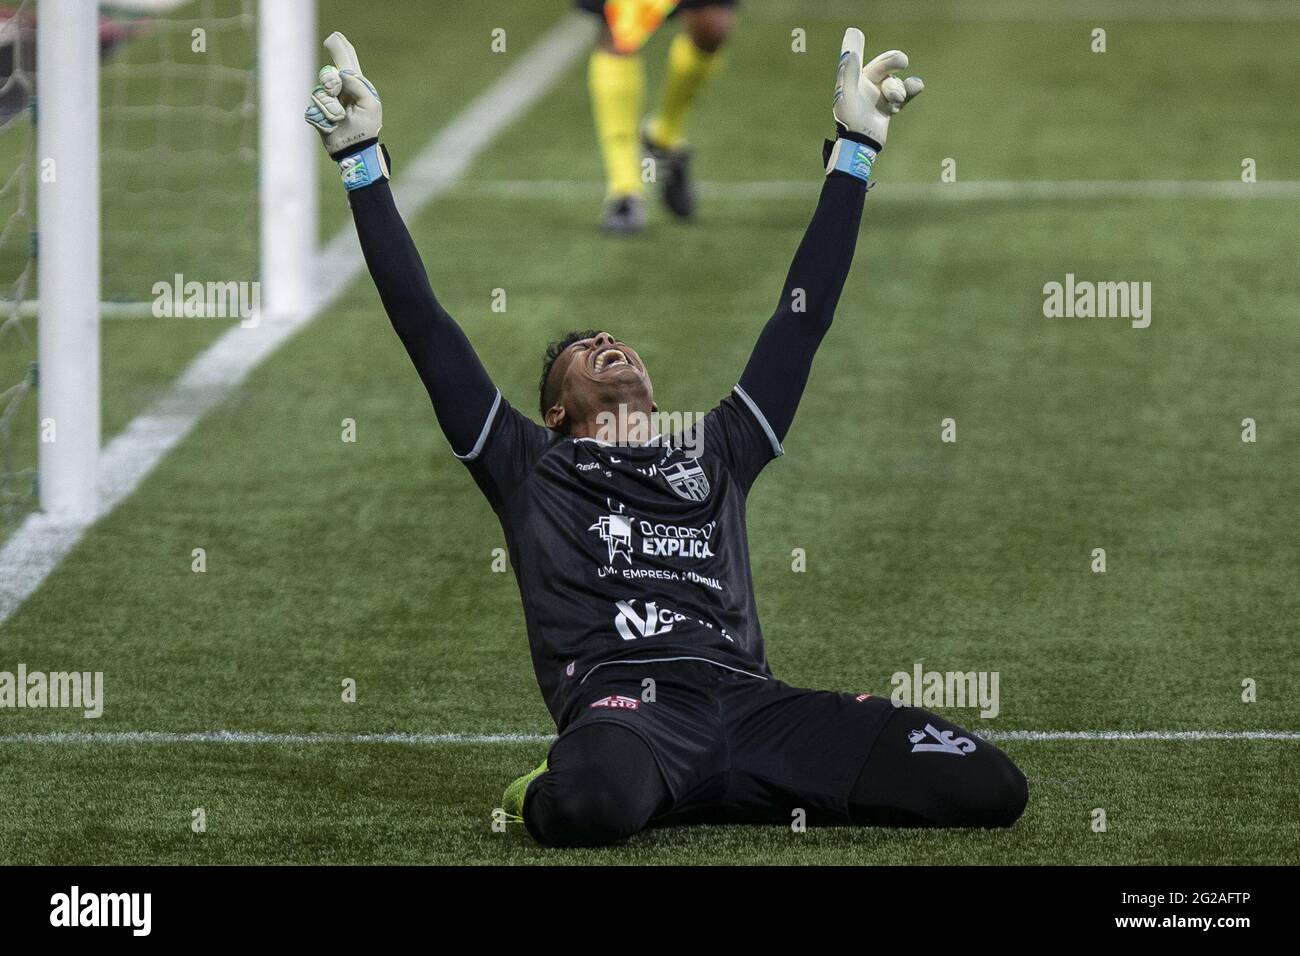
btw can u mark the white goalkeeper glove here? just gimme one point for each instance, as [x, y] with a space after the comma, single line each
[346, 111]
[866, 98]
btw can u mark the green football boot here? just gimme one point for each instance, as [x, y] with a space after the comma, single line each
[512, 801]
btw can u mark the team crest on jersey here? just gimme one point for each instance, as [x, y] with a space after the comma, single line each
[687, 479]
[616, 532]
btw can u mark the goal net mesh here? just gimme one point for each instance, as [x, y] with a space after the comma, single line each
[17, 262]
[178, 181]
[178, 137]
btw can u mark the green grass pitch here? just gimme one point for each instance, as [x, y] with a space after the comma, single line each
[373, 561]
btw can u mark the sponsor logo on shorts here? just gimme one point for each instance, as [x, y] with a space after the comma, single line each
[940, 741]
[617, 702]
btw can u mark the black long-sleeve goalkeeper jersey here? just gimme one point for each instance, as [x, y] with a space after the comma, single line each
[623, 553]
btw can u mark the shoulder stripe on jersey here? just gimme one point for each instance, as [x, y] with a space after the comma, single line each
[482, 435]
[777, 450]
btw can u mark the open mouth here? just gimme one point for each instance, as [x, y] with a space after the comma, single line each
[610, 358]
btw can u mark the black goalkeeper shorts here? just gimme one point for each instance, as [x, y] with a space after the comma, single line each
[598, 6]
[735, 747]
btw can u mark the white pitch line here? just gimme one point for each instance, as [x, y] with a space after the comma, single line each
[36, 548]
[568, 190]
[1042, 190]
[260, 737]
[1052, 735]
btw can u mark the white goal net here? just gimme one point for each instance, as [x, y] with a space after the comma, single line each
[17, 263]
[178, 153]
[135, 139]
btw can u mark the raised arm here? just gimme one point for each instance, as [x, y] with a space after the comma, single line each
[865, 100]
[346, 111]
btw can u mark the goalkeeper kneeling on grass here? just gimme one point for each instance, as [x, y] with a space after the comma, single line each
[581, 502]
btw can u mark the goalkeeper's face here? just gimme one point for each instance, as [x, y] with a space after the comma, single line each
[595, 375]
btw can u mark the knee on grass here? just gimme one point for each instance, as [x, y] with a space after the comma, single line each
[603, 785]
[582, 816]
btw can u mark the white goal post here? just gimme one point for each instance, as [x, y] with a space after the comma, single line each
[288, 55]
[68, 217]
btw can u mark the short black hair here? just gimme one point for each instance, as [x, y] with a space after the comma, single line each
[553, 351]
